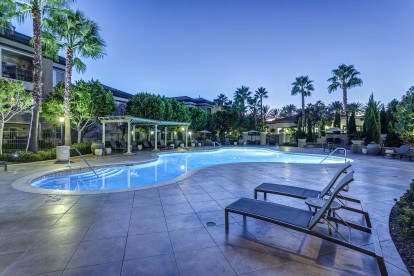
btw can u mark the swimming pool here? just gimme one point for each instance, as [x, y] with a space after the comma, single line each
[170, 166]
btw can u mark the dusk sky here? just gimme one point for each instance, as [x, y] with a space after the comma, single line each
[204, 48]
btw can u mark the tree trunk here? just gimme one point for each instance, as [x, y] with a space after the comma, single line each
[261, 111]
[68, 80]
[32, 143]
[303, 113]
[345, 99]
[1, 136]
[79, 136]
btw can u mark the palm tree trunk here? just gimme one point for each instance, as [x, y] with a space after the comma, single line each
[303, 112]
[261, 111]
[32, 143]
[345, 98]
[68, 80]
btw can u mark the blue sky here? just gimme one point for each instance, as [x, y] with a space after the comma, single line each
[206, 47]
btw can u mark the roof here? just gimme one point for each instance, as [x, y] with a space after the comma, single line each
[140, 121]
[292, 118]
[25, 40]
[117, 93]
[193, 100]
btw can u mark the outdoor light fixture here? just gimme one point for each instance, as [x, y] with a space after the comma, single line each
[182, 129]
[152, 132]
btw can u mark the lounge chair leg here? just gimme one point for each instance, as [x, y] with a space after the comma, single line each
[226, 220]
[244, 219]
[265, 195]
[255, 194]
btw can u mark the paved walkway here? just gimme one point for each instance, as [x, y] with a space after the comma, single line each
[164, 231]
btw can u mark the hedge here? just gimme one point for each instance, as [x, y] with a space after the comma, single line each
[48, 154]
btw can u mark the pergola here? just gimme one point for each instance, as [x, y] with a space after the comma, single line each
[135, 121]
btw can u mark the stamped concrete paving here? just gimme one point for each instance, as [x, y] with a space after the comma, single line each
[163, 230]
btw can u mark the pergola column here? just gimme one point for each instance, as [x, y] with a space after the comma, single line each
[186, 136]
[129, 139]
[133, 130]
[103, 133]
[156, 138]
[165, 136]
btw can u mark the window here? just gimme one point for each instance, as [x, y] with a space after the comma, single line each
[16, 66]
[58, 76]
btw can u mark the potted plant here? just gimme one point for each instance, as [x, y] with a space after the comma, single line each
[301, 137]
[181, 144]
[373, 148]
[139, 145]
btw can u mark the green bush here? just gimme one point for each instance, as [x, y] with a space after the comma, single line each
[84, 148]
[406, 210]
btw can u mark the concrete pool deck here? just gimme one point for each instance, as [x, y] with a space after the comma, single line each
[163, 230]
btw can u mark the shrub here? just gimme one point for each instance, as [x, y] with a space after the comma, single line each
[84, 148]
[372, 125]
[406, 210]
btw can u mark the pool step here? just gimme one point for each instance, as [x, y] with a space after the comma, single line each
[101, 173]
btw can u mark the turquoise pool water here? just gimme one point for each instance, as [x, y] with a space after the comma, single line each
[170, 166]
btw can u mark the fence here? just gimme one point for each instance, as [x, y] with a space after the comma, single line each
[17, 139]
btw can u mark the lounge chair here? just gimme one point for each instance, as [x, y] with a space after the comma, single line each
[401, 152]
[227, 142]
[305, 221]
[134, 145]
[114, 146]
[124, 146]
[303, 193]
[146, 145]
[4, 163]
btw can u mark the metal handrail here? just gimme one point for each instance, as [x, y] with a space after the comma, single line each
[214, 144]
[87, 163]
[333, 153]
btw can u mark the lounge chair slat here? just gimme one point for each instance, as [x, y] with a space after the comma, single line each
[287, 190]
[272, 211]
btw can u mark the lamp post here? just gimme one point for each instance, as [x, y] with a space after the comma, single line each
[61, 120]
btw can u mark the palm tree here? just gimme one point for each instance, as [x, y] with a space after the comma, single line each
[241, 95]
[222, 100]
[35, 9]
[345, 77]
[357, 107]
[273, 113]
[261, 93]
[288, 110]
[336, 106]
[253, 106]
[303, 86]
[79, 37]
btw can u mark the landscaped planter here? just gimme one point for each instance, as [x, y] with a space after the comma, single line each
[373, 149]
[108, 150]
[139, 147]
[62, 153]
[98, 151]
[357, 142]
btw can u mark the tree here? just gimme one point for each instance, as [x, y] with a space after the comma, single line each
[223, 121]
[357, 107]
[309, 135]
[89, 100]
[405, 117]
[199, 118]
[344, 77]
[372, 126]
[352, 123]
[337, 119]
[79, 37]
[240, 98]
[303, 86]
[13, 100]
[260, 94]
[253, 107]
[288, 110]
[336, 106]
[35, 9]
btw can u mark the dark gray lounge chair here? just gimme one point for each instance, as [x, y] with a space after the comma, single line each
[401, 152]
[146, 145]
[114, 146]
[303, 193]
[305, 221]
[4, 163]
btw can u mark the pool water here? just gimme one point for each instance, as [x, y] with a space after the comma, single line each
[170, 166]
